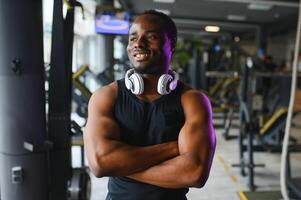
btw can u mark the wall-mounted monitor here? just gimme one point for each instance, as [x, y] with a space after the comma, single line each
[112, 23]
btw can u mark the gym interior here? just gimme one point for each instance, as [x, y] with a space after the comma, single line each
[244, 54]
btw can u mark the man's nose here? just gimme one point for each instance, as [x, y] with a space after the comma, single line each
[140, 43]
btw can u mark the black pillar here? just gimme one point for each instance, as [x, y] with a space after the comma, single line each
[23, 168]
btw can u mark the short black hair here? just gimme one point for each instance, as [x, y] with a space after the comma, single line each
[168, 25]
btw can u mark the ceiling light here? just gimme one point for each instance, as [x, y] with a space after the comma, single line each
[256, 6]
[236, 38]
[166, 12]
[213, 29]
[164, 1]
[236, 17]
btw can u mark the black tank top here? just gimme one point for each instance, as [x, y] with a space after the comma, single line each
[142, 124]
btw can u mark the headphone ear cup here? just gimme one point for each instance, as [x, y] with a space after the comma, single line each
[128, 82]
[163, 84]
[138, 84]
[174, 83]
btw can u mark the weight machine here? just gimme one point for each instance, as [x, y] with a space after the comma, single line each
[257, 135]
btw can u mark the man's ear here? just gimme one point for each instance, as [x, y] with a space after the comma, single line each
[173, 45]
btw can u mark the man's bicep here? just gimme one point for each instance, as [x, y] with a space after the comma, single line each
[194, 139]
[101, 123]
[197, 136]
[102, 128]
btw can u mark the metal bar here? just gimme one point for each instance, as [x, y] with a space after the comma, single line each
[197, 22]
[263, 2]
[219, 74]
[80, 71]
[251, 159]
[84, 90]
[274, 74]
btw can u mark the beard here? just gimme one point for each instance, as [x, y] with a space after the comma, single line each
[155, 65]
[152, 68]
[146, 70]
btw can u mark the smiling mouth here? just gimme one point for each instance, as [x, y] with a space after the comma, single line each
[141, 56]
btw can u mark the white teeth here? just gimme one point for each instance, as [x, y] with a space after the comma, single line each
[141, 55]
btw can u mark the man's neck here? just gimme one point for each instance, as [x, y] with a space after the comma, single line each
[150, 83]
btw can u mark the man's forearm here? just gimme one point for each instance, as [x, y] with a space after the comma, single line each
[121, 159]
[179, 172]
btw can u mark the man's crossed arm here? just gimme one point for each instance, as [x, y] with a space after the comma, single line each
[196, 149]
[173, 165]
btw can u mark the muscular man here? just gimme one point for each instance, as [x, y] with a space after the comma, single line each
[152, 146]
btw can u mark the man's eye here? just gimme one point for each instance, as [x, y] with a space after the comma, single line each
[132, 39]
[152, 37]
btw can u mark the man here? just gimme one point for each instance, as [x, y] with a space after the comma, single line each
[152, 146]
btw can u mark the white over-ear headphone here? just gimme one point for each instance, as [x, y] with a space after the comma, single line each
[166, 82]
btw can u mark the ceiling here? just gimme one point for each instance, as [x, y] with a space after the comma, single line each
[233, 16]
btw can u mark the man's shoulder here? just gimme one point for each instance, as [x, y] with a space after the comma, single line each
[192, 96]
[188, 91]
[109, 89]
[105, 95]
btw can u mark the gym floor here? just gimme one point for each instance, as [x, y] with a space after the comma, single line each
[225, 182]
